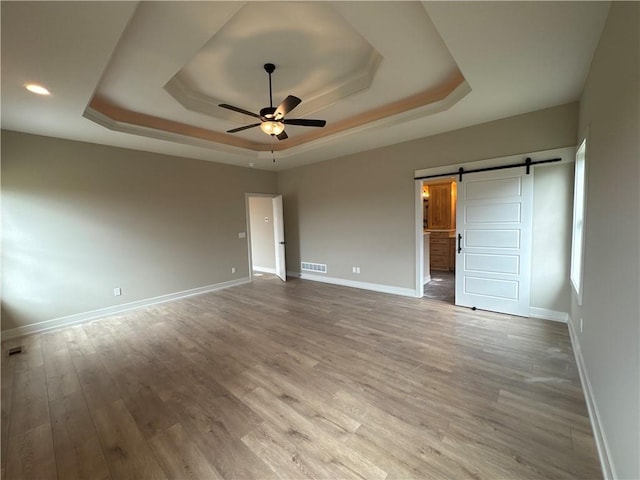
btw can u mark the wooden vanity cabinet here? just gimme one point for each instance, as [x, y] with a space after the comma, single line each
[441, 214]
[452, 253]
[441, 222]
[439, 253]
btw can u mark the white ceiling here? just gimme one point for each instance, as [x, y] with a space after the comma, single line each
[348, 61]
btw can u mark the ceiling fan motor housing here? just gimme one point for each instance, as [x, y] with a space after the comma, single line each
[268, 113]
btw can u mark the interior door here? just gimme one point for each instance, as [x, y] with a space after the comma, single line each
[278, 234]
[494, 218]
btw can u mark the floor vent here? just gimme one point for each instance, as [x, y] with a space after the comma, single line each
[14, 351]
[313, 267]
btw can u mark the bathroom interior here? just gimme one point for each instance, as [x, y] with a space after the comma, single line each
[439, 222]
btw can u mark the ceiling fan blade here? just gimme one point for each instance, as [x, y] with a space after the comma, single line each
[305, 122]
[239, 129]
[286, 106]
[282, 136]
[239, 110]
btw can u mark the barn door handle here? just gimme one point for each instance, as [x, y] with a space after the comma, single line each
[459, 241]
[282, 243]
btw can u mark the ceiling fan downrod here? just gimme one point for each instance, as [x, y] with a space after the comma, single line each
[270, 68]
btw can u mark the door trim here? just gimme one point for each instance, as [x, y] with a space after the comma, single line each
[248, 220]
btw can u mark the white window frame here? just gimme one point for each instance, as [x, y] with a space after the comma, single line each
[579, 220]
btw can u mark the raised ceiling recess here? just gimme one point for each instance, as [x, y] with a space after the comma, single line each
[177, 61]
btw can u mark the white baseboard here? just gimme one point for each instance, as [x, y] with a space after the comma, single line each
[598, 433]
[376, 287]
[104, 312]
[264, 270]
[544, 314]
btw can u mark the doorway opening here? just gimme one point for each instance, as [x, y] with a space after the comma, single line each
[262, 243]
[439, 201]
[265, 226]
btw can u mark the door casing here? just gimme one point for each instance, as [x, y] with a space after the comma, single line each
[276, 240]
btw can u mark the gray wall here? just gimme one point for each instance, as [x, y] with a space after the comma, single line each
[611, 314]
[90, 218]
[263, 253]
[80, 219]
[359, 209]
[551, 242]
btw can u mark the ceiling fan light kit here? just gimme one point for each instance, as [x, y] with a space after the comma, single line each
[272, 127]
[272, 119]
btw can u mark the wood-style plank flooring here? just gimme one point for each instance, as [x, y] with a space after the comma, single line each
[297, 380]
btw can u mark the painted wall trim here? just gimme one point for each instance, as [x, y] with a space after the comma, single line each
[103, 312]
[421, 275]
[546, 314]
[598, 432]
[376, 287]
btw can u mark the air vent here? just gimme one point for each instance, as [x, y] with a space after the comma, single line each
[313, 267]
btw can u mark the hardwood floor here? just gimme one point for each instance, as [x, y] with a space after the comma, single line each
[297, 380]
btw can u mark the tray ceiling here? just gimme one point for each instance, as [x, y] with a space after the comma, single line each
[150, 75]
[165, 84]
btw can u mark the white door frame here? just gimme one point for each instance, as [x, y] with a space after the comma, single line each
[248, 213]
[564, 153]
[420, 277]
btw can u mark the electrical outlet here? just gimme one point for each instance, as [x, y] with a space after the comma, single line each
[233, 269]
[242, 234]
[580, 325]
[117, 292]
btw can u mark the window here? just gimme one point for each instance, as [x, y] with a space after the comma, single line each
[579, 199]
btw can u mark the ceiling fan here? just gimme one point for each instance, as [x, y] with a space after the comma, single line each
[272, 119]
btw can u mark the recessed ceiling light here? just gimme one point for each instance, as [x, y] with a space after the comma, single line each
[35, 88]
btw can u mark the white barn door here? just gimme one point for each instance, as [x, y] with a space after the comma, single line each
[494, 223]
